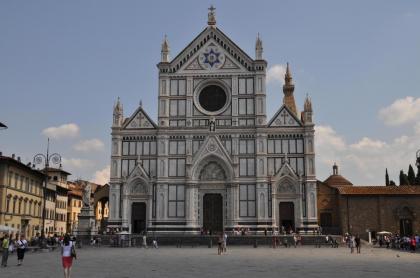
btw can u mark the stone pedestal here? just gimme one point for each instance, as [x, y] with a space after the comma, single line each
[86, 227]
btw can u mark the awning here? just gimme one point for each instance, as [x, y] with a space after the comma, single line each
[9, 229]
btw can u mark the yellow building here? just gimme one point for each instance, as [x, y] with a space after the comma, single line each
[20, 196]
[74, 205]
[57, 182]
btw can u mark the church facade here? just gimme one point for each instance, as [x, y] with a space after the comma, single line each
[213, 161]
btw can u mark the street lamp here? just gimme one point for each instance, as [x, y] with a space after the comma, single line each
[40, 158]
[3, 126]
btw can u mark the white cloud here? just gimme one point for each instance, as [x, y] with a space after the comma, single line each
[102, 176]
[89, 145]
[402, 111]
[70, 130]
[276, 73]
[364, 161]
[76, 163]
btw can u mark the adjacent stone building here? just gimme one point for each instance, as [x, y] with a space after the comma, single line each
[212, 160]
[20, 196]
[347, 208]
[74, 205]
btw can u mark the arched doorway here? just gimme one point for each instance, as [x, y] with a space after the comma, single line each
[287, 215]
[213, 212]
[138, 218]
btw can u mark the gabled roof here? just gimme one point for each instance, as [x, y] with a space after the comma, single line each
[201, 39]
[272, 123]
[148, 123]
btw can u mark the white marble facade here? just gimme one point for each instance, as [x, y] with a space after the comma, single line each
[212, 138]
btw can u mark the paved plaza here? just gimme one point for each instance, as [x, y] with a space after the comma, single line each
[239, 262]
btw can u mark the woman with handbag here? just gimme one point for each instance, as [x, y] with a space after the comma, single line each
[21, 245]
[68, 252]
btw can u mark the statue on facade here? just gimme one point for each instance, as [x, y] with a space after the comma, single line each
[211, 16]
[87, 191]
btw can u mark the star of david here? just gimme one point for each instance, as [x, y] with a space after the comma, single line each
[211, 58]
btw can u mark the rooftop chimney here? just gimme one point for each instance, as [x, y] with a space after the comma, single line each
[18, 158]
[13, 156]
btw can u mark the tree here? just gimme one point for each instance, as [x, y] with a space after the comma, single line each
[411, 175]
[403, 178]
[386, 177]
[392, 183]
[418, 175]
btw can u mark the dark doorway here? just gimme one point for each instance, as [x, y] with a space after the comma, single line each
[287, 215]
[213, 213]
[138, 218]
[326, 219]
[406, 227]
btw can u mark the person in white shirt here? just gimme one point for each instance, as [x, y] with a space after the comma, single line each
[21, 245]
[67, 253]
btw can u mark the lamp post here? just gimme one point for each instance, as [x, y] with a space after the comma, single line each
[3, 126]
[40, 158]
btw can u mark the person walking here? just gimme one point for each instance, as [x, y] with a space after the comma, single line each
[358, 243]
[144, 241]
[5, 254]
[68, 252]
[225, 236]
[21, 245]
[219, 244]
[352, 243]
[413, 244]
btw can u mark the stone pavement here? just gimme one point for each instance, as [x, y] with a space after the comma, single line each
[239, 262]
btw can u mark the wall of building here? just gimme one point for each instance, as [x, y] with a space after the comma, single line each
[20, 197]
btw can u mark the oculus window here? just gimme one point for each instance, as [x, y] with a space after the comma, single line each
[212, 98]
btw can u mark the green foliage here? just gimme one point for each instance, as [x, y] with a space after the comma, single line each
[386, 177]
[392, 183]
[403, 179]
[411, 175]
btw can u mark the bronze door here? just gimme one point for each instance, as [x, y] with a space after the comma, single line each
[138, 218]
[213, 213]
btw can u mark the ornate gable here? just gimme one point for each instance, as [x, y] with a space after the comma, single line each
[137, 182]
[139, 120]
[212, 150]
[211, 49]
[284, 118]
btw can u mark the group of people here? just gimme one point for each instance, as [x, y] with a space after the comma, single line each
[396, 241]
[353, 242]
[10, 244]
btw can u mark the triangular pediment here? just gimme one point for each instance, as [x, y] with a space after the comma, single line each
[212, 146]
[139, 120]
[138, 173]
[284, 118]
[198, 54]
[286, 171]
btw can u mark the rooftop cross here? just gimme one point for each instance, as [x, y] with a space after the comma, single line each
[211, 16]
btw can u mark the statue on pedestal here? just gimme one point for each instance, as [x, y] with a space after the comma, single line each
[87, 191]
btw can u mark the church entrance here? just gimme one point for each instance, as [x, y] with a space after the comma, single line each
[213, 213]
[287, 215]
[138, 218]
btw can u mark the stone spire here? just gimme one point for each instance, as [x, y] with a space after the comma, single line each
[307, 111]
[211, 20]
[165, 51]
[258, 48]
[288, 89]
[308, 104]
[118, 114]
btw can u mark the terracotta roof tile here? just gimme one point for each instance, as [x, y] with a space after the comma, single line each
[379, 190]
[337, 180]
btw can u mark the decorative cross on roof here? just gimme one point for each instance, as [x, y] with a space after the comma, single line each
[211, 16]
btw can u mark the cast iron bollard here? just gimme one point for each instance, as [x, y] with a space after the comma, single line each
[255, 243]
[210, 243]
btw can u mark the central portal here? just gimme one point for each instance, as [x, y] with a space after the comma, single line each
[213, 213]
[138, 218]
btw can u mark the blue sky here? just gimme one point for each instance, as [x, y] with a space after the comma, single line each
[65, 62]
